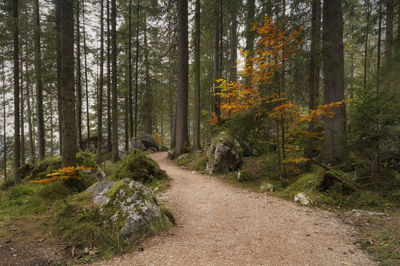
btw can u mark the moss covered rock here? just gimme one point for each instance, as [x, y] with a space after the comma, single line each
[224, 155]
[137, 166]
[130, 207]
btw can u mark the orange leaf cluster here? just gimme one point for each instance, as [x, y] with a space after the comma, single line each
[62, 174]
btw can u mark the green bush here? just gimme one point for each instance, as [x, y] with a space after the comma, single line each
[137, 166]
[45, 167]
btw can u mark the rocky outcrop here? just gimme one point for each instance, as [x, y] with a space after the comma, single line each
[137, 144]
[224, 155]
[129, 207]
[149, 142]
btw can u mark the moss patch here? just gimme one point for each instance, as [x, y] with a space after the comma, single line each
[137, 166]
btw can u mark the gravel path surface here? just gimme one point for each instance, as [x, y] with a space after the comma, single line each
[220, 224]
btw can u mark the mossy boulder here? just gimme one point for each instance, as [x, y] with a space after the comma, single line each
[137, 166]
[129, 207]
[224, 154]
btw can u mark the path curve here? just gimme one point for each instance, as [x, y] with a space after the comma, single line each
[220, 224]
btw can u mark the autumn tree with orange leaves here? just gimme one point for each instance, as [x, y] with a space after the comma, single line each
[274, 47]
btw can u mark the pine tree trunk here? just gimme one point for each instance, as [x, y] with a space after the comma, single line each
[148, 92]
[22, 110]
[378, 80]
[389, 31]
[29, 112]
[196, 131]
[17, 140]
[58, 48]
[4, 125]
[250, 35]
[86, 75]
[366, 43]
[183, 70]
[114, 133]
[78, 76]
[315, 66]
[233, 44]
[217, 63]
[109, 142]
[137, 68]
[130, 94]
[334, 148]
[67, 84]
[101, 85]
[39, 84]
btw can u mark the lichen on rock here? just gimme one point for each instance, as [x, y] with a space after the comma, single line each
[130, 208]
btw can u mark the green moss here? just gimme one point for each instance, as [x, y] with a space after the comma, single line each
[116, 187]
[137, 166]
[159, 225]
[45, 167]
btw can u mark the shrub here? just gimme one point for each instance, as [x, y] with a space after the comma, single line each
[138, 167]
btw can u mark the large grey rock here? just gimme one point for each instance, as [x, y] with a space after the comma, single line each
[225, 155]
[149, 142]
[137, 144]
[130, 207]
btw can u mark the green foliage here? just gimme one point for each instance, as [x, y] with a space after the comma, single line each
[86, 159]
[79, 222]
[137, 166]
[45, 167]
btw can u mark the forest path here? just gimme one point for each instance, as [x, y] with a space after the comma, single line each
[220, 224]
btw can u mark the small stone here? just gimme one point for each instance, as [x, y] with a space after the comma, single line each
[302, 199]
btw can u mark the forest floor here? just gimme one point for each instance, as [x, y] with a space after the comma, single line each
[218, 223]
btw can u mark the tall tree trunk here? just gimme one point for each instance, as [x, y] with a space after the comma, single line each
[183, 70]
[58, 48]
[78, 75]
[86, 74]
[29, 111]
[51, 127]
[378, 79]
[217, 57]
[22, 110]
[333, 67]
[130, 94]
[109, 142]
[101, 85]
[67, 84]
[196, 130]
[39, 84]
[126, 122]
[233, 43]
[315, 66]
[148, 92]
[114, 134]
[389, 31]
[137, 67]
[4, 124]
[17, 139]
[250, 35]
[367, 3]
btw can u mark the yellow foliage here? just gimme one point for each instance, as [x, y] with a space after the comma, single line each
[63, 173]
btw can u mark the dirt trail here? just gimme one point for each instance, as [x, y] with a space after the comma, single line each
[220, 224]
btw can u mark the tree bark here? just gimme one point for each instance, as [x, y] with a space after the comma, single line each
[137, 68]
[334, 149]
[17, 139]
[196, 131]
[217, 57]
[109, 142]
[101, 85]
[58, 48]
[78, 76]
[233, 43]
[22, 110]
[366, 43]
[148, 92]
[114, 134]
[250, 35]
[29, 112]
[86, 74]
[315, 66]
[183, 70]
[67, 84]
[130, 94]
[389, 31]
[39, 84]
